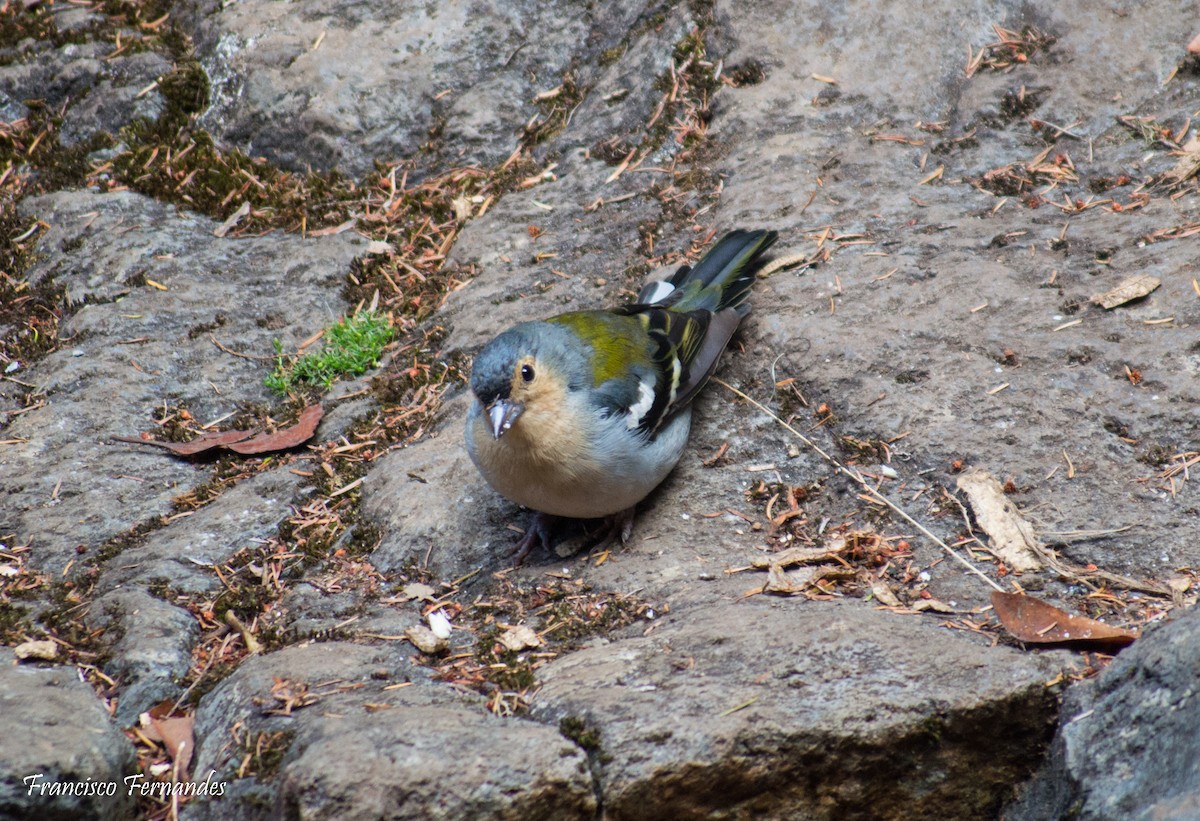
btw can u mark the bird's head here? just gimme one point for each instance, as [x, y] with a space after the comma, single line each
[530, 368]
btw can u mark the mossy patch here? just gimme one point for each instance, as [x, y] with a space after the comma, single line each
[352, 346]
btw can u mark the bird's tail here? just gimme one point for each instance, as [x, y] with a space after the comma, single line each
[721, 279]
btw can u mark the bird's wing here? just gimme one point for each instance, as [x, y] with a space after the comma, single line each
[683, 349]
[649, 361]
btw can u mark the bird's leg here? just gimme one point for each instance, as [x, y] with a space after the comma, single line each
[617, 528]
[541, 528]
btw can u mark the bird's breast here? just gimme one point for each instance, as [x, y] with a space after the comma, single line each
[573, 465]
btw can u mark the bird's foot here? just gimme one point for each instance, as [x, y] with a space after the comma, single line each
[617, 529]
[541, 528]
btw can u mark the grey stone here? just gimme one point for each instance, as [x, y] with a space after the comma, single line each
[132, 348]
[419, 751]
[242, 517]
[58, 736]
[98, 94]
[778, 708]
[375, 84]
[153, 650]
[1127, 746]
[428, 502]
[435, 762]
[926, 319]
[124, 94]
[788, 710]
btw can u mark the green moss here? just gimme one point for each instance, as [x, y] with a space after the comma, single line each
[578, 729]
[611, 55]
[263, 753]
[18, 23]
[351, 347]
[556, 111]
[63, 619]
[120, 543]
[863, 450]
[507, 669]
[15, 623]
[185, 92]
[160, 588]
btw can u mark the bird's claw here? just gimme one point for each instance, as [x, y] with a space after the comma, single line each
[540, 529]
[617, 529]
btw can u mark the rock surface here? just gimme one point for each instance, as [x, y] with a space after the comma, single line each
[58, 735]
[372, 747]
[796, 718]
[951, 227]
[367, 86]
[1127, 746]
[137, 348]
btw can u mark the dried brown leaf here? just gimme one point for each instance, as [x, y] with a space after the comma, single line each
[178, 736]
[923, 605]
[1188, 163]
[416, 590]
[1012, 537]
[799, 555]
[424, 640]
[781, 581]
[883, 592]
[519, 638]
[1035, 622]
[200, 444]
[43, 650]
[243, 441]
[286, 438]
[1127, 291]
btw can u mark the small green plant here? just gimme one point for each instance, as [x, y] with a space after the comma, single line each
[351, 347]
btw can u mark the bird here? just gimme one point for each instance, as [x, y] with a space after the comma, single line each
[583, 414]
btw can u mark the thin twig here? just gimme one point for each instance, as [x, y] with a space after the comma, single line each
[232, 352]
[252, 645]
[862, 483]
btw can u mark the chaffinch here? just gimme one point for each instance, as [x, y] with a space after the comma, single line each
[583, 414]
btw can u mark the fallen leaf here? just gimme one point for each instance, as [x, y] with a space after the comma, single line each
[922, 605]
[424, 640]
[1127, 291]
[1188, 163]
[781, 581]
[462, 208]
[1035, 622]
[243, 441]
[884, 593]
[177, 734]
[799, 555]
[519, 638]
[416, 590]
[232, 220]
[1012, 537]
[286, 438]
[44, 650]
[206, 441]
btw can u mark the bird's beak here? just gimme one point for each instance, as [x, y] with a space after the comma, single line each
[502, 413]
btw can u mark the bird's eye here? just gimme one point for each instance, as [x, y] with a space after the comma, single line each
[527, 373]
